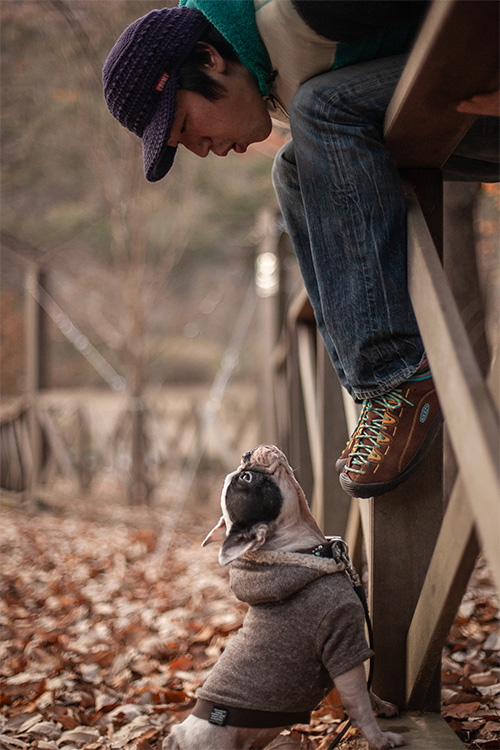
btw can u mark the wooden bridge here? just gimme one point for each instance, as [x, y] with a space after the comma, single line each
[421, 541]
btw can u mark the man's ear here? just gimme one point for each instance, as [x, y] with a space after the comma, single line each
[237, 543]
[221, 524]
[215, 63]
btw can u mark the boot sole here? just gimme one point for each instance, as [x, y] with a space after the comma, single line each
[375, 490]
[339, 465]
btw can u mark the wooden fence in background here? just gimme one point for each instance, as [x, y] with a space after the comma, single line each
[84, 441]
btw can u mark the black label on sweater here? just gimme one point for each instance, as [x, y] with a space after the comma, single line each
[218, 716]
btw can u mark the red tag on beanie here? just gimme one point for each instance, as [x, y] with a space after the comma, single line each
[161, 82]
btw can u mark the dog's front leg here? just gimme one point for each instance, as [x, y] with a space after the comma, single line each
[354, 695]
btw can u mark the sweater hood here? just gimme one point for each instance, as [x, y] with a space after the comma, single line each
[261, 577]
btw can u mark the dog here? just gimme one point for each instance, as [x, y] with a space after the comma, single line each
[304, 629]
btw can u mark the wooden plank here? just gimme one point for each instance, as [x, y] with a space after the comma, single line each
[449, 571]
[352, 410]
[354, 535]
[284, 250]
[423, 731]
[454, 57]
[84, 447]
[14, 465]
[58, 448]
[365, 516]
[281, 408]
[300, 453]
[32, 355]
[21, 458]
[307, 361]
[474, 427]
[12, 410]
[330, 502]
[301, 309]
[428, 187]
[25, 448]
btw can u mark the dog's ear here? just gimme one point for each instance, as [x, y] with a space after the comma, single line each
[239, 542]
[221, 524]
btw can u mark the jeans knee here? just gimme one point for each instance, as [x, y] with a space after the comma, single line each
[324, 99]
[306, 98]
[356, 93]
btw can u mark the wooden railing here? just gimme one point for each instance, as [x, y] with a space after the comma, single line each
[420, 541]
[16, 460]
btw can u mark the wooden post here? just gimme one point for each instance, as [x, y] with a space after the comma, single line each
[283, 251]
[330, 503]
[83, 442]
[267, 283]
[404, 528]
[137, 488]
[33, 376]
[299, 450]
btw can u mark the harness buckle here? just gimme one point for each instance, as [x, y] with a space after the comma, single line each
[340, 553]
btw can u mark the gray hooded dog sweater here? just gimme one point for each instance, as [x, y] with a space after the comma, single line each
[304, 627]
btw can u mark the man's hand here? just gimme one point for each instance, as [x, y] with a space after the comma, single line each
[481, 104]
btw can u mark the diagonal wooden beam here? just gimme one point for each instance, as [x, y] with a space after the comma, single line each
[449, 571]
[450, 568]
[471, 414]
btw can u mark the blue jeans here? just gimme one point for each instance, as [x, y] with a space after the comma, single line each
[341, 197]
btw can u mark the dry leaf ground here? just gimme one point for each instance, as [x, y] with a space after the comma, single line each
[102, 648]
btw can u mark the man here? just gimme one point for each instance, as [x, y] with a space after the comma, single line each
[209, 76]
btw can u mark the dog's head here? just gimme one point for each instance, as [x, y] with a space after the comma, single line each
[260, 501]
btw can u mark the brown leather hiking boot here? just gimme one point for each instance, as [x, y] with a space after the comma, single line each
[393, 435]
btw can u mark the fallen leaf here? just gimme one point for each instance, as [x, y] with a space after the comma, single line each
[460, 710]
[492, 643]
[80, 736]
[45, 729]
[11, 743]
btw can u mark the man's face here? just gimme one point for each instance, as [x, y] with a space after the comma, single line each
[232, 122]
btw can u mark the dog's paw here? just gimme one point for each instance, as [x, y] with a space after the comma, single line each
[382, 708]
[388, 740]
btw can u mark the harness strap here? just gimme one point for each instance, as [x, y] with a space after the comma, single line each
[223, 715]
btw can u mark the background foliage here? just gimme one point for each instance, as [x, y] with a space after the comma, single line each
[170, 259]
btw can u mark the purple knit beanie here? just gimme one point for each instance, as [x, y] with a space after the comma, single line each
[140, 79]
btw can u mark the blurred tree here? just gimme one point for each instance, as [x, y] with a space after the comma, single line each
[72, 183]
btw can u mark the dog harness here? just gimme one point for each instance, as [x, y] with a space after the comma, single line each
[304, 627]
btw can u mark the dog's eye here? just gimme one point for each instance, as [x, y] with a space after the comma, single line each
[246, 477]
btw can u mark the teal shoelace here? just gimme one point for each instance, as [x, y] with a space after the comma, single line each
[370, 436]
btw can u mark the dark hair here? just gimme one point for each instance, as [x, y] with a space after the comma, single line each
[191, 74]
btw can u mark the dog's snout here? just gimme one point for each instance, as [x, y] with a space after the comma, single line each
[252, 497]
